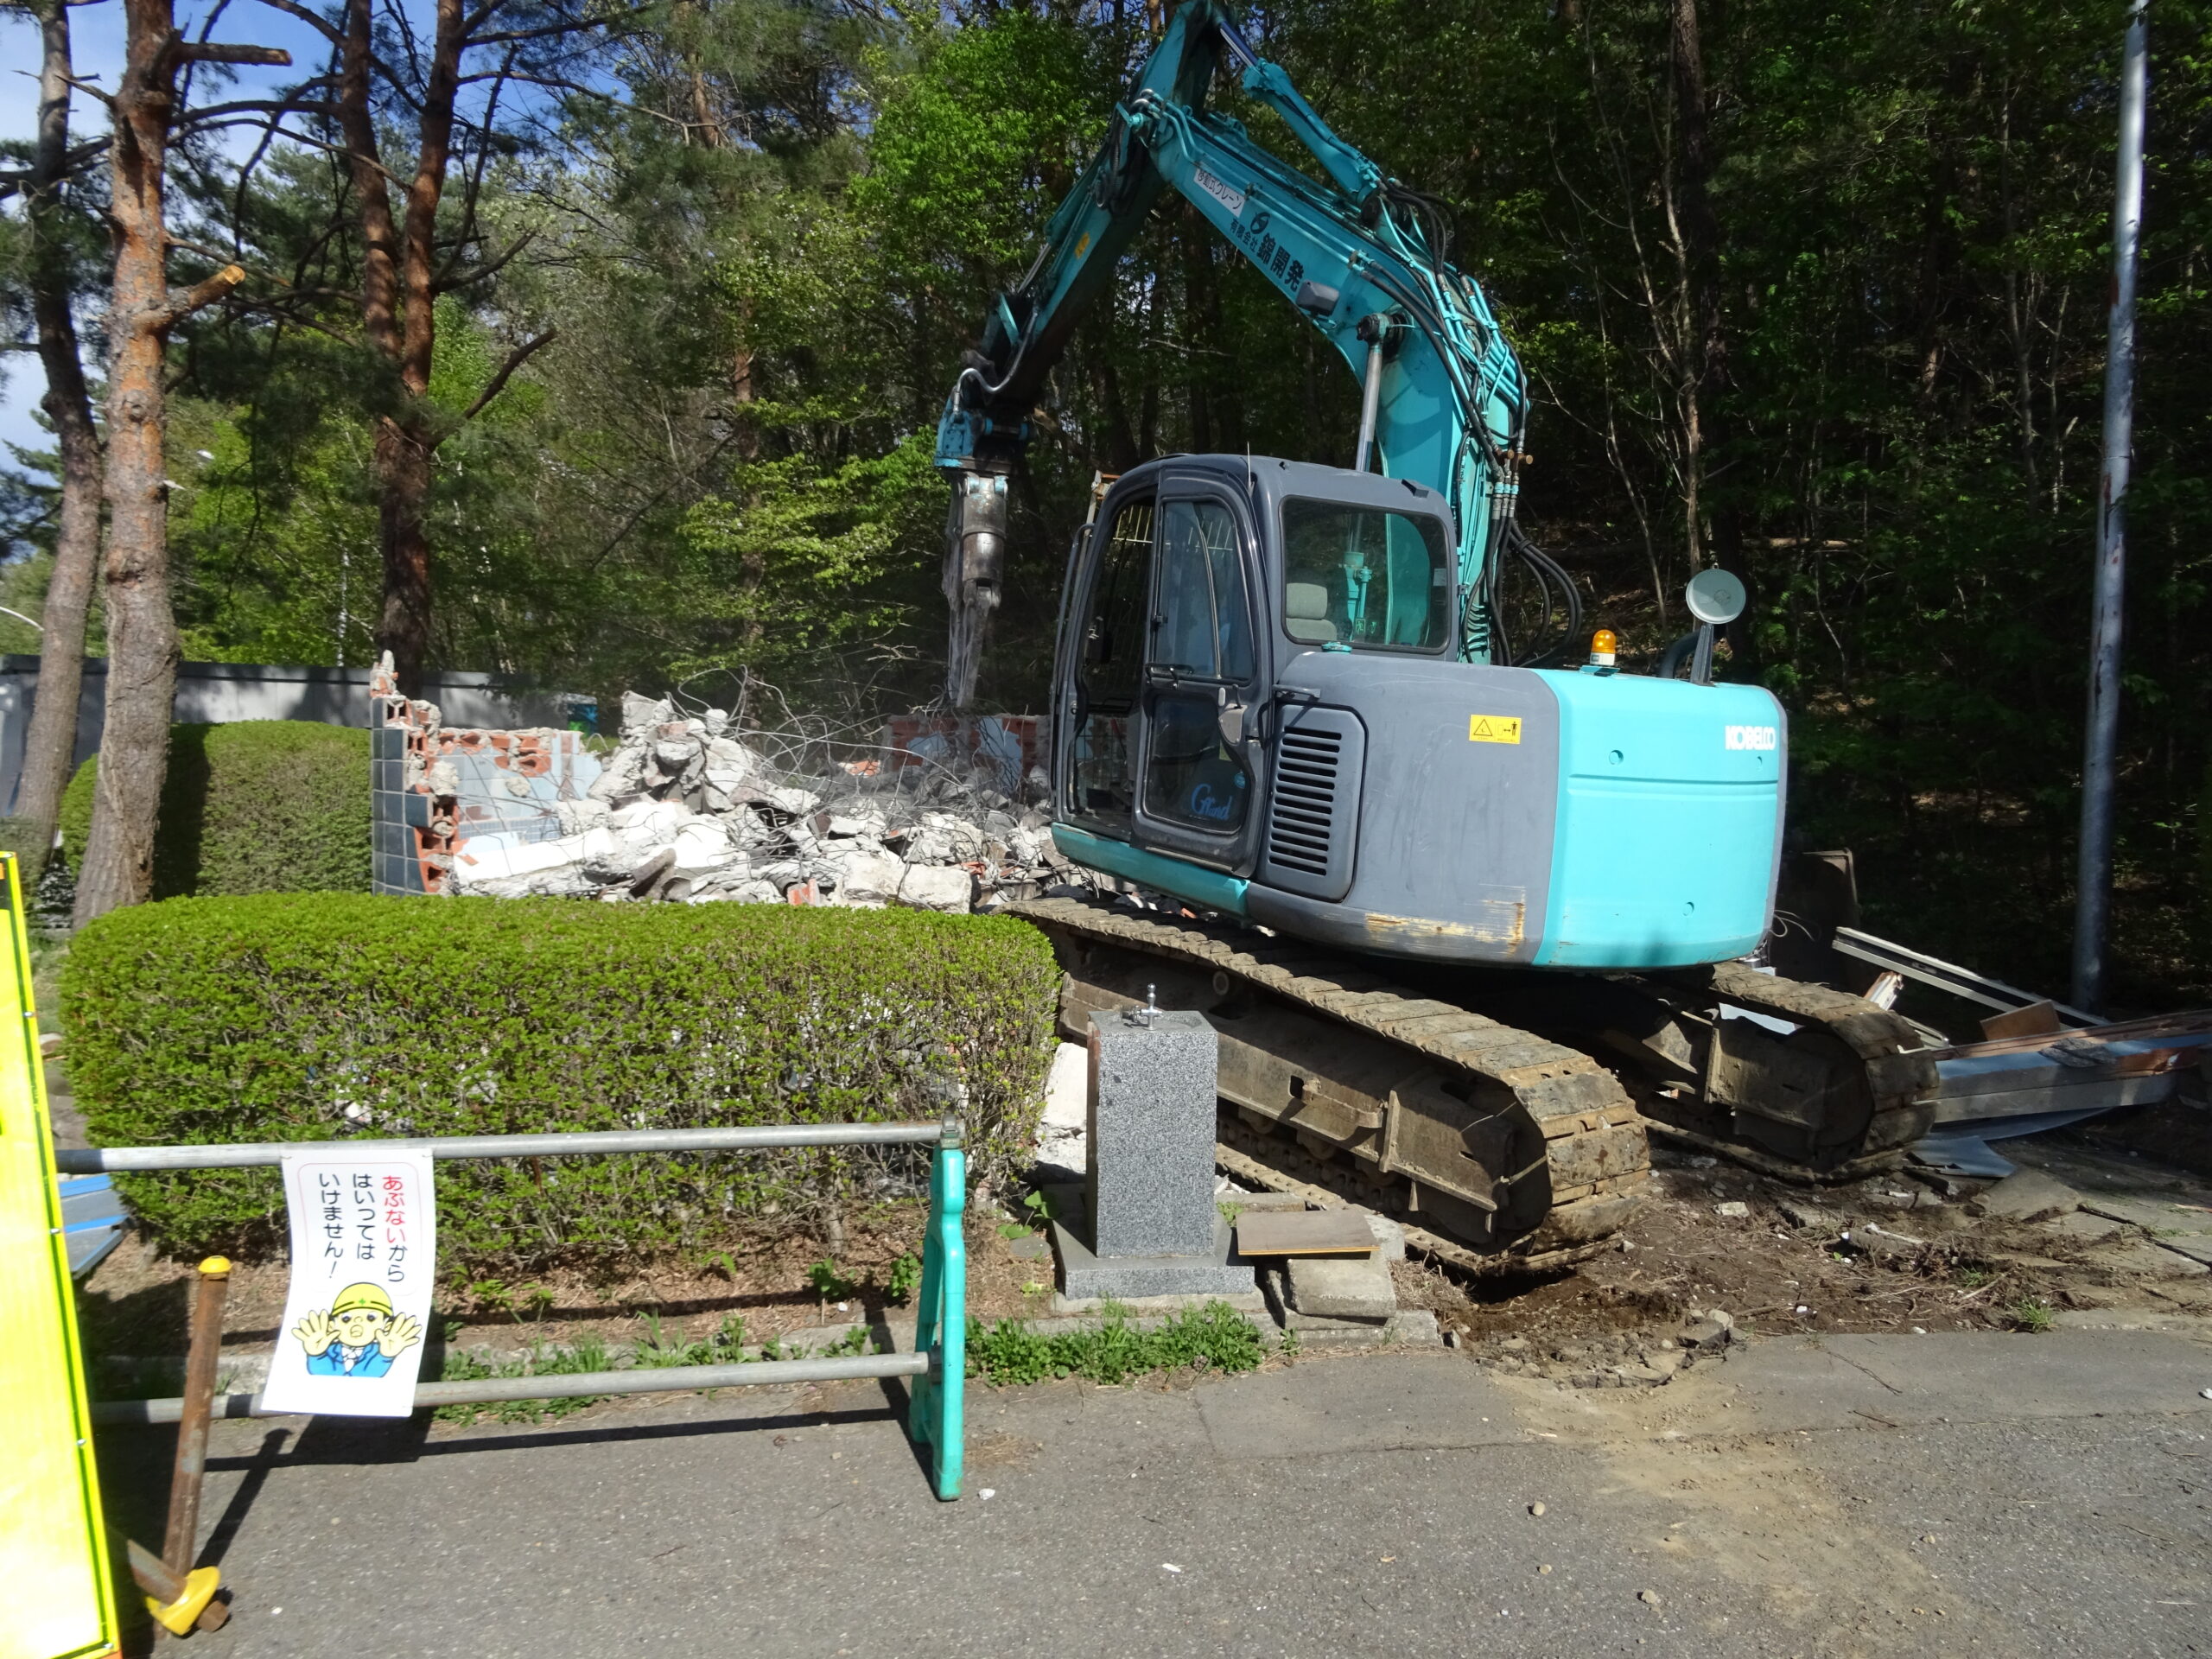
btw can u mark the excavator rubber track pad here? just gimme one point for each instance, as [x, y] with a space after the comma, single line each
[1495, 1147]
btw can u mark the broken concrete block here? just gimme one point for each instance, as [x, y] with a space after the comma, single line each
[1063, 1133]
[576, 817]
[2031, 1195]
[2079, 1223]
[1798, 1212]
[799, 802]
[868, 879]
[641, 714]
[1341, 1287]
[703, 844]
[671, 755]
[935, 886]
[2027, 1195]
[1882, 1244]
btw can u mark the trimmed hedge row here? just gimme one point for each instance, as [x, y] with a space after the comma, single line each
[251, 806]
[298, 1018]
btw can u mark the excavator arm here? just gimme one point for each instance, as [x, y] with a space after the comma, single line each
[1361, 257]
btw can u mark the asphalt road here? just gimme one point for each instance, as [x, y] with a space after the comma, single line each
[1969, 1494]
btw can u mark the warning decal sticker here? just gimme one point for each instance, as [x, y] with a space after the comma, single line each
[1493, 728]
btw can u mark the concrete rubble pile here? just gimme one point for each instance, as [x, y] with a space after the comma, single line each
[687, 811]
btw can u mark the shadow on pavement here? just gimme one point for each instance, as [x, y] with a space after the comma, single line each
[351, 1445]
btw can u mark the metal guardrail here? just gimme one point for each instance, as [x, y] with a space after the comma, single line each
[583, 1143]
[489, 1390]
[939, 1363]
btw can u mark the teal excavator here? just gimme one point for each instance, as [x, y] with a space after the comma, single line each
[1465, 916]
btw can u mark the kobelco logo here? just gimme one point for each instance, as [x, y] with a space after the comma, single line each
[1751, 737]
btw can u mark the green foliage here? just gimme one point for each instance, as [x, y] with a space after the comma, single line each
[830, 1284]
[253, 806]
[2031, 1315]
[579, 1360]
[1214, 1337]
[658, 1350]
[904, 1278]
[299, 1017]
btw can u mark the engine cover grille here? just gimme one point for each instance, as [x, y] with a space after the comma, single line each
[1315, 811]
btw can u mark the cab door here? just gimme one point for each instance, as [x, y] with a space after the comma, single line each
[1198, 772]
[1101, 675]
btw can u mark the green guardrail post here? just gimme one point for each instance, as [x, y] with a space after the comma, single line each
[941, 1322]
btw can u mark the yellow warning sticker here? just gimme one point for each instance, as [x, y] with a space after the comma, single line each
[1493, 728]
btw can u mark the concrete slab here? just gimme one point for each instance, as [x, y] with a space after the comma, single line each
[2145, 1258]
[2028, 1196]
[1390, 1403]
[1846, 1382]
[2172, 1205]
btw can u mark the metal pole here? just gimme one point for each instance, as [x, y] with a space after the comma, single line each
[96, 1160]
[2093, 882]
[673, 1379]
[180, 1542]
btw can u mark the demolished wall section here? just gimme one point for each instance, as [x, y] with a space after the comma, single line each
[937, 814]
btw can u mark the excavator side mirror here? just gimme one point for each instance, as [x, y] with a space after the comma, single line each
[1715, 598]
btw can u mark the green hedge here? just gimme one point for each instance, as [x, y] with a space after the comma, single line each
[252, 806]
[304, 1017]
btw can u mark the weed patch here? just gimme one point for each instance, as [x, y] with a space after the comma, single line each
[459, 1367]
[1213, 1338]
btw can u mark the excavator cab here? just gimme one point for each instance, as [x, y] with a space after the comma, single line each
[1260, 708]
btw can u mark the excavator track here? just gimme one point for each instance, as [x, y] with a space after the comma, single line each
[1494, 1134]
[1798, 1081]
[1493, 1147]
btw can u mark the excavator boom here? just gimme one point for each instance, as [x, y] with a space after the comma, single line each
[1360, 257]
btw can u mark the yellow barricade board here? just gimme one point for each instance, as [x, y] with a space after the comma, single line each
[58, 1601]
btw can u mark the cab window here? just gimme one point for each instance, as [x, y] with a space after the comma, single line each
[1366, 578]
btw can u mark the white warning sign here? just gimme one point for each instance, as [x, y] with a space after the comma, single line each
[365, 1236]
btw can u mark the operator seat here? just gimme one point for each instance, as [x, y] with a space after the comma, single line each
[1305, 613]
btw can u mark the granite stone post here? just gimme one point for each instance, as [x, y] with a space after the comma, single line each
[1155, 1229]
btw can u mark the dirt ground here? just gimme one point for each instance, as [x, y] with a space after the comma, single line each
[1784, 1264]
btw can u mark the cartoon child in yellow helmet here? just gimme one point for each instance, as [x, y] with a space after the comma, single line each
[358, 1335]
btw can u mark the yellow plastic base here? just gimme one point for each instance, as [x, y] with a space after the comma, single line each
[178, 1617]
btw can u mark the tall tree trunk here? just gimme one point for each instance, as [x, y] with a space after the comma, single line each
[1704, 419]
[51, 744]
[142, 642]
[399, 315]
[141, 630]
[753, 560]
